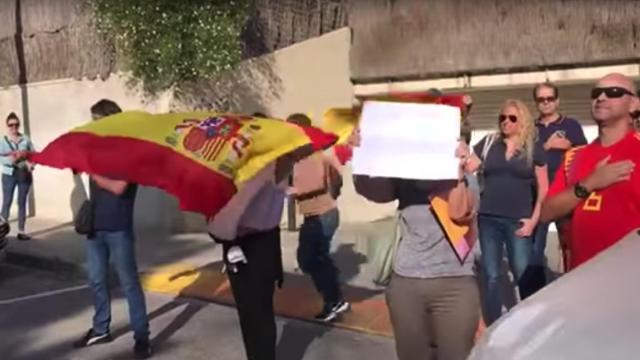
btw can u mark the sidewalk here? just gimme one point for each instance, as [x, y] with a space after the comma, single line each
[188, 265]
[44, 327]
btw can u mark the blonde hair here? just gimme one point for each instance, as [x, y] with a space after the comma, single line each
[528, 133]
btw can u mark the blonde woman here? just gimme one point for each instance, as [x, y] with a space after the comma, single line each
[514, 178]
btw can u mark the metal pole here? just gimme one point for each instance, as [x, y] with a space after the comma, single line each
[24, 93]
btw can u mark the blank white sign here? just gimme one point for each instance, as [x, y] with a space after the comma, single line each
[409, 141]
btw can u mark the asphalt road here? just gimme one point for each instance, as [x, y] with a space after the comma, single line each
[42, 313]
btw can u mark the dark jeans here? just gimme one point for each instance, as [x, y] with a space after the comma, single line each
[117, 247]
[495, 233]
[539, 245]
[253, 287]
[9, 184]
[535, 276]
[314, 255]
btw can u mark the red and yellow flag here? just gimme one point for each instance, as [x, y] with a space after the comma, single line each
[201, 158]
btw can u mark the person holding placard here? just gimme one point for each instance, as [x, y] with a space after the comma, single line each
[432, 296]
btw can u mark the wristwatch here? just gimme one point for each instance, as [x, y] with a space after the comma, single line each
[581, 192]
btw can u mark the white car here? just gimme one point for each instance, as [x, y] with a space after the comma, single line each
[591, 313]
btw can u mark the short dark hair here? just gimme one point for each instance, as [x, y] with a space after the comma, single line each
[299, 119]
[105, 107]
[546, 84]
[12, 116]
[434, 92]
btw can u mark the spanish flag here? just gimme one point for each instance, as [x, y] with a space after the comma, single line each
[201, 158]
[341, 121]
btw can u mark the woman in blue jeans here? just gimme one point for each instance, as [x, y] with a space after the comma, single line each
[514, 175]
[16, 172]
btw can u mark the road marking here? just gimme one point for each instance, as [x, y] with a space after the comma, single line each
[44, 294]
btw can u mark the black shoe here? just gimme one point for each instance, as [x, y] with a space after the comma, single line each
[331, 312]
[91, 338]
[142, 349]
[23, 237]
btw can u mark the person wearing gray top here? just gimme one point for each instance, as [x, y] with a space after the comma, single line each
[433, 299]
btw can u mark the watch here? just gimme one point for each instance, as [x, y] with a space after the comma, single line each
[580, 191]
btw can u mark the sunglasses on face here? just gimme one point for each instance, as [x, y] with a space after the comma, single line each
[545, 99]
[613, 92]
[511, 118]
[13, 125]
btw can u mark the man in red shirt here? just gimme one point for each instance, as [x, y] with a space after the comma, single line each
[598, 182]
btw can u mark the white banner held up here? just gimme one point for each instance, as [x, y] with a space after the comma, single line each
[407, 140]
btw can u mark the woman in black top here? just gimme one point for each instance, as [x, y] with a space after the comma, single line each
[514, 175]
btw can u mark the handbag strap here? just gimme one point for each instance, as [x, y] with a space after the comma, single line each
[489, 140]
[91, 193]
[10, 144]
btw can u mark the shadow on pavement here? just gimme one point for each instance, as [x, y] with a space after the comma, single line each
[295, 340]
[348, 261]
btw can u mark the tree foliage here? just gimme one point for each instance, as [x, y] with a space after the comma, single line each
[170, 43]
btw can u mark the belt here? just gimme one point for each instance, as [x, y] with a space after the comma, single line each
[311, 194]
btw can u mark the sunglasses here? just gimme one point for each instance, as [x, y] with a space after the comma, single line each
[13, 125]
[511, 118]
[613, 92]
[544, 100]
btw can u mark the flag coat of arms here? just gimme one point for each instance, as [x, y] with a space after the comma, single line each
[202, 158]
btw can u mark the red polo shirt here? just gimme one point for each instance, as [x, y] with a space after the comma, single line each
[609, 214]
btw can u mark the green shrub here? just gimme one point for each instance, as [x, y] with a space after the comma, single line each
[170, 43]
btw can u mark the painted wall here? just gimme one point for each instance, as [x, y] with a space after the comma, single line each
[308, 77]
[53, 108]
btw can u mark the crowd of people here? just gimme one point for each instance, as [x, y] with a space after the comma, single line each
[433, 299]
[531, 171]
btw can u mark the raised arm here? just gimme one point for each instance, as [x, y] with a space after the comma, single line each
[542, 180]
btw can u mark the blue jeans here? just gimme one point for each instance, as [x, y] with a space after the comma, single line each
[117, 246]
[314, 255]
[9, 184]
[495, 233]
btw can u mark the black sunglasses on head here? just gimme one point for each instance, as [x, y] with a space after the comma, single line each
[612, 92]
[511, 118]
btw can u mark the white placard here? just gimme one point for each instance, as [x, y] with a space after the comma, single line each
[409, 141]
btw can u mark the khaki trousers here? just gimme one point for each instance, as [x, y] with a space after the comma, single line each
[434, 318]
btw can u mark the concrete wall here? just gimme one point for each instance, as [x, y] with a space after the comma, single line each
[57, 106]
[308, 77]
